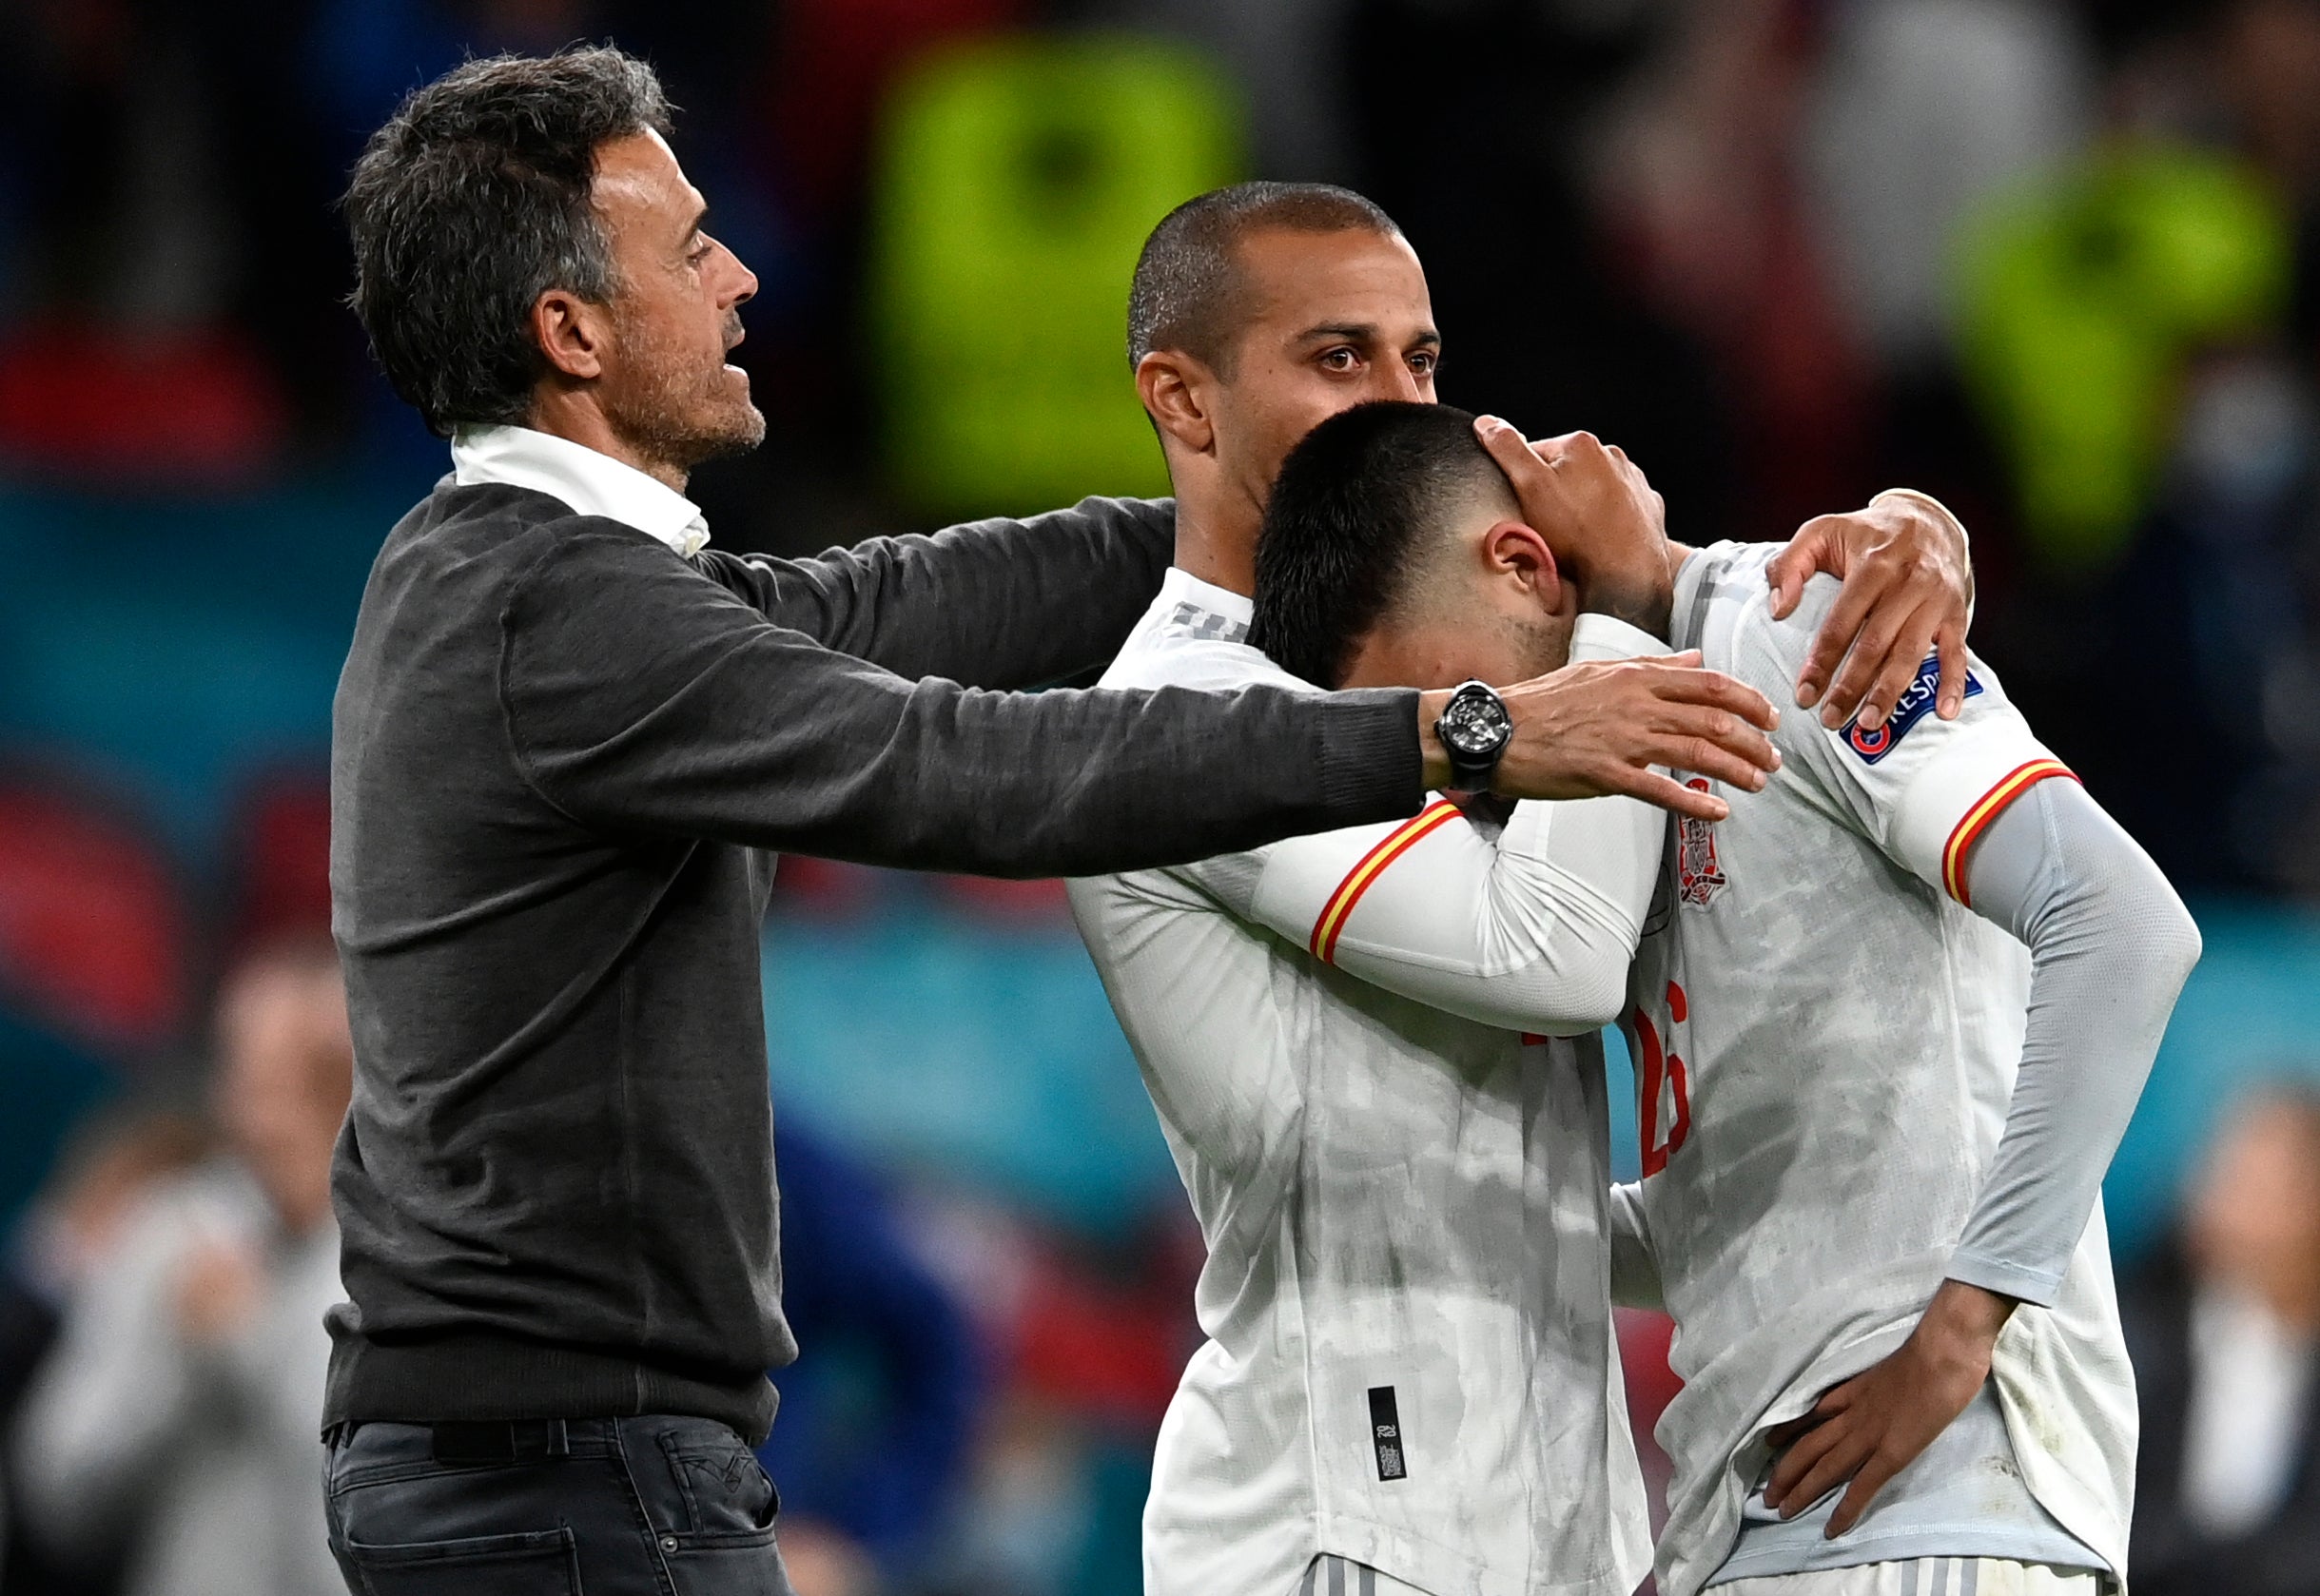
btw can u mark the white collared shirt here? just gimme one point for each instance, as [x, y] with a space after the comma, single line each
[593, 483]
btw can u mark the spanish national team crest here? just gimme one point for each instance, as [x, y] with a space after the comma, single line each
[1697, 876]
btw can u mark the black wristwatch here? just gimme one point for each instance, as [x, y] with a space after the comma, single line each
[1476, 730]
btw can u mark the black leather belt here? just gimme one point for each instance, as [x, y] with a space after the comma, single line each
[498, 1441]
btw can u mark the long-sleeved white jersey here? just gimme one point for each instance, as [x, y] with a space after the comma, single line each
[1827, 1039]
[1400, 1176]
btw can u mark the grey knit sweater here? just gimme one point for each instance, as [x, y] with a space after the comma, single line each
[561, 756]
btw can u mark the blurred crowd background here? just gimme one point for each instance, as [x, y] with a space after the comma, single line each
[2057, 263]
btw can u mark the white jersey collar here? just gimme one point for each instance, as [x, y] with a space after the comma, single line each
[1182, 590]
[592, 483]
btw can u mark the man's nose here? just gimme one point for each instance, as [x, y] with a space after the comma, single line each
[746, 289]
[1402, 383]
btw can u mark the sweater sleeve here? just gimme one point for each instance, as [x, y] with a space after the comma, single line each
[996, 604]
[637, 694]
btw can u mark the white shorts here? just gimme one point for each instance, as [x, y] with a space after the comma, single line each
[1924, 1576]
[1339, 1576]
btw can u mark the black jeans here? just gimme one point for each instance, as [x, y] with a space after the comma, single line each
[639, 1507]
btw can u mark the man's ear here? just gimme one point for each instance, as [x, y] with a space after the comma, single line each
[1176, 390]
[1515, 551]
[573, 333]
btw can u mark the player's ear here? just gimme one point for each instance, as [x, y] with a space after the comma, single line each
[1177, 390]
[1514, 552]
[571, 332]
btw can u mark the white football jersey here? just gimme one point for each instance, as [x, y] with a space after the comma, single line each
[1825, 1040]
[1409, 1361]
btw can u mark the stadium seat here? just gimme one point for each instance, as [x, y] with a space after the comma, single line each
[1018, 180]
[283, 887]
[190, 410]
[92, 930]
[2081, 300]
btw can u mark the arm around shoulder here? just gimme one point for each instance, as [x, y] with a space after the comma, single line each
[998, 603]
[638, 694]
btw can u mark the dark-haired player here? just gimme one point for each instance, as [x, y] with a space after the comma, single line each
[1874, 1123]
[1357, 1041]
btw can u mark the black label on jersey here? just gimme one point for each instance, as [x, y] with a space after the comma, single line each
[1386, 1433]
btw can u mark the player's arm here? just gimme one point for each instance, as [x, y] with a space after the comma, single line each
[1531, 930]
[998, 603]
[1986, 814]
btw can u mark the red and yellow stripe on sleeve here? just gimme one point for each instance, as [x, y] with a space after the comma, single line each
[1986, 809]
[1339, 908]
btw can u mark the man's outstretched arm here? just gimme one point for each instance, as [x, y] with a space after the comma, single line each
[640, 696]
[2111, 945]
[998, 603]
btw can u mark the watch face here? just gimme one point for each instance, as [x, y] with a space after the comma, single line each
[1476, 723]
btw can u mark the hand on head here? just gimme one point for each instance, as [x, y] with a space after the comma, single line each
[1604, 521]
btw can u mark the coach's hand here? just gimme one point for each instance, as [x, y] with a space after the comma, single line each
[1908, 589]
[1595, 730]
[1876, 1423]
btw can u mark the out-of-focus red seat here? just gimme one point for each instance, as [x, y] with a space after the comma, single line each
[285, 846]
[1113, 1349]
[91, 921]
[186, 408]
[1009, 902]
[831, 68]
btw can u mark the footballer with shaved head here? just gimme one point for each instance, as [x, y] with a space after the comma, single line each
[1373, 1051]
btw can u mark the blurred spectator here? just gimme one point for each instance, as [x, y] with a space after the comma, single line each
[1474, 123]
[68, 1237]
[1288, 56]
[2225, 1341]
[1700, 173]
[178, 1413]
[876, 1413]
[73, 1229]
[1921, 109]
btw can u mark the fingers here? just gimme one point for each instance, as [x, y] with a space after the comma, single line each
[1843, 1447]
[1526, 466]
[1801, 1459]
[1950, 644]
[1807, 552]
[1712, 744]
[1681, 684]
[1797, 1458]
[1875, 1472]
[1834, 641]
[1627, 781]
[1781, 1436]
[1884, 662]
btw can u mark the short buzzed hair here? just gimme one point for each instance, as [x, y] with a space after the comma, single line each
[1189, 291]
[1354, 524]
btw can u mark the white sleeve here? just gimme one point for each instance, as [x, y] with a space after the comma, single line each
[2111, 944]
[1923, 789]
[1529, 930]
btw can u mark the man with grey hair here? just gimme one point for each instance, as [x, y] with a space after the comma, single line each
[567, 743]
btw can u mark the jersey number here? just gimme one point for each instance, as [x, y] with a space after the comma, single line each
[1661, 1072]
